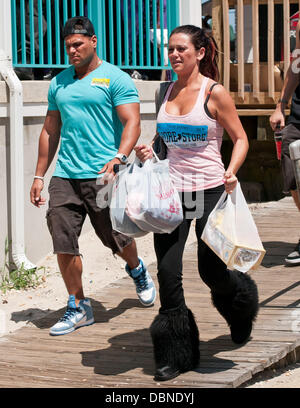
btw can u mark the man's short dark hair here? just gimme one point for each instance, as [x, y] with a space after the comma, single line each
[78, 25]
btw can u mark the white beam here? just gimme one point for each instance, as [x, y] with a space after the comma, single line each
[191, 12]
[5, 32]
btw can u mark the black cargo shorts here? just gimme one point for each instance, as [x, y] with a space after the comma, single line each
[70, 200]
[290, 133]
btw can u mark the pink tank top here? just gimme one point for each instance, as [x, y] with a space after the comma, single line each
[194, 142]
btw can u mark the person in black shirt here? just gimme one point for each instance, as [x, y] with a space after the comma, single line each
[290, 132]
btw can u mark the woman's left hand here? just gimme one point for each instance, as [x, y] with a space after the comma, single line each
[230, 181]
[143, 152]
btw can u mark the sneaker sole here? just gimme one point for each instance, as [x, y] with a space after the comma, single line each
[292, 261]
[147, 304]
[87, 323]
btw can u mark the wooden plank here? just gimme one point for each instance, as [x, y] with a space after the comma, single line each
[226, 42]
[240, 50]
[217, 31]
[262, 98]
[271, 81]
[255, 42]
[233, 2]
[257, 112]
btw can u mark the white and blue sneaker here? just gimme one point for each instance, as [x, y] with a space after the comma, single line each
[74, 317]
[294, 257]
[145, 288]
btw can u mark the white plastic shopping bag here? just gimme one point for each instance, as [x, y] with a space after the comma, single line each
[153, 203]
[231, 232]
[119, 218]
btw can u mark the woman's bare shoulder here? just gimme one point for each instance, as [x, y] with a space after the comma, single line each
[218, 94]
[218, 89]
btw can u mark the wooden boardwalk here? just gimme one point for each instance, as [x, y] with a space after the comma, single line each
[117, 352]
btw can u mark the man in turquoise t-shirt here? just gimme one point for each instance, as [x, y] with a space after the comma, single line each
[93, 110]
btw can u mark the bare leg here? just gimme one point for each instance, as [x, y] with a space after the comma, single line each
[295, 196]
[71, 270]
[129, 254]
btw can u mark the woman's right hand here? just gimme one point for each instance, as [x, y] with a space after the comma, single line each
[143, 152]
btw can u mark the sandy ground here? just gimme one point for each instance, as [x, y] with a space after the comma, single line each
[100, 268]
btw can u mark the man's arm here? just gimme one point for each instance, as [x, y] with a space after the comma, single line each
[291, 82]
[48, 142]
[129, 115]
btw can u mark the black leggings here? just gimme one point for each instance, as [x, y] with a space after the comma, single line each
[169, 252]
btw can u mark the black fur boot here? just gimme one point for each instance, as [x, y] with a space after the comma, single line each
[239, 310]
[175, 340]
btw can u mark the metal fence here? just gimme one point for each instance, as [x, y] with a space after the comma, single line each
[131, 33]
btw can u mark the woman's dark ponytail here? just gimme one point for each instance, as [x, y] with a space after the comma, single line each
[200, 38]
[209, 64]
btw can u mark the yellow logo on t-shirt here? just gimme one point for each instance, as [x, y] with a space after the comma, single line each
[100, 82]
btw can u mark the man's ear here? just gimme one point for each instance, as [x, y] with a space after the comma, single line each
[94, 40]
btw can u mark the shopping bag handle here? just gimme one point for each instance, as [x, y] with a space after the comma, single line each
[148, 161]
[155, 155]
[231, 197]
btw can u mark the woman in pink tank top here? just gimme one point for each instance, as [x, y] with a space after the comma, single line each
[190, 124]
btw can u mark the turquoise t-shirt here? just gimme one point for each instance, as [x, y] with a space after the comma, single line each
[91, 130]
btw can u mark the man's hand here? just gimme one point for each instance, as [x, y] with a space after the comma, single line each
[35, 193]
[277, 119]
[108, 169]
